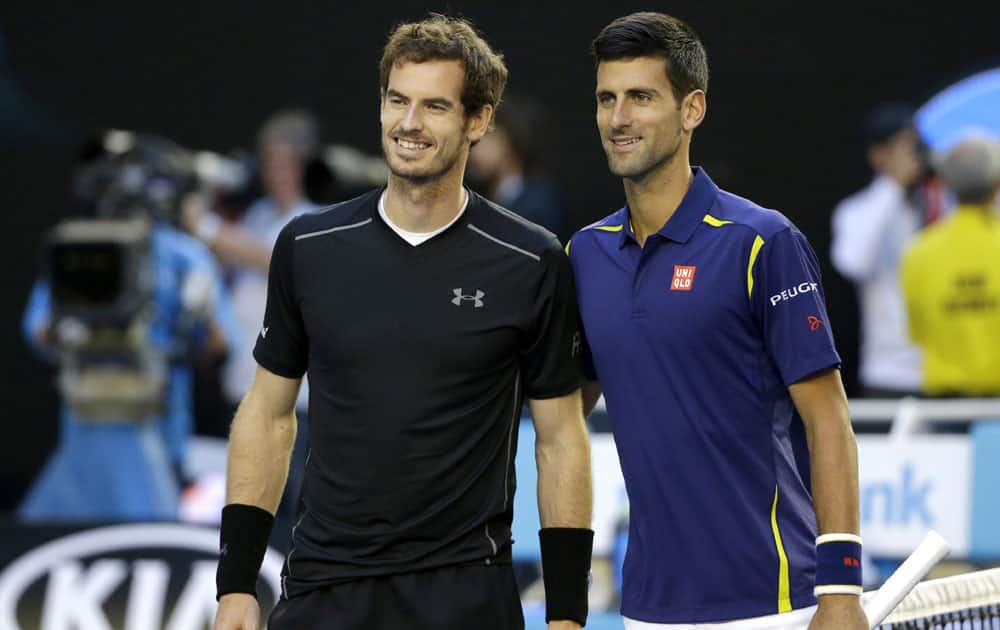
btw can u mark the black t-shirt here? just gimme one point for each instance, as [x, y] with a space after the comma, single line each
[419, 360]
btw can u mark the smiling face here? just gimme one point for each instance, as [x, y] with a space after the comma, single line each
[642, 125]
[426, 132]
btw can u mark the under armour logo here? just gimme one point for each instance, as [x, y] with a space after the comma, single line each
[461, 297]
[263, 332]
[577, 345]
[814, 323]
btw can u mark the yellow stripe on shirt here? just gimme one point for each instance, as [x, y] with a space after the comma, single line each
[715, 222]
[784, 589]
[758, 242]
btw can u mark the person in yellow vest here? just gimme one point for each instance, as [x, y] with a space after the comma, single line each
[951, 279]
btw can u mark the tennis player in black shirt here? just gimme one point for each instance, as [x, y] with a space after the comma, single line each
[425, 315]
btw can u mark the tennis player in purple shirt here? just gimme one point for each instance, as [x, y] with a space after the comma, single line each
[707, 327]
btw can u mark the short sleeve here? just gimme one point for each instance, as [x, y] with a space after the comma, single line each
[788, 300]
[551, 358]
[281, 343]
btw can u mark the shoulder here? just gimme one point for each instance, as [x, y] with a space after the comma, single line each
[928, 240]
[349, 213]
[607, 228]
[755, 220]
[493, 221]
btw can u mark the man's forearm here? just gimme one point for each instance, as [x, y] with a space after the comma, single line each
[565, 492]
[260, 448]
[833, 452]
[833, 457]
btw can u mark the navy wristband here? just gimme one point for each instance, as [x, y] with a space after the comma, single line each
[243, 540]
[566, 555]
[838, 565]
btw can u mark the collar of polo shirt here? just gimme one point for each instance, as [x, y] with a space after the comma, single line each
[694, 206]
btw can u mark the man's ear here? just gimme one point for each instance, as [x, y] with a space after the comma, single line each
[479, 123]
[693, 110]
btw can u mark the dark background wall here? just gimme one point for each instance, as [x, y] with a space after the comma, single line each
[790, 83]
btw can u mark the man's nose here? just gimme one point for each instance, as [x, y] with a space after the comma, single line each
[412, 121]
[621, 116]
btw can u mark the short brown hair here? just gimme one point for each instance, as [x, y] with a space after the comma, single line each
[440, 37]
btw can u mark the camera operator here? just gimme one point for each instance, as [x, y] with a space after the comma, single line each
[126, 304]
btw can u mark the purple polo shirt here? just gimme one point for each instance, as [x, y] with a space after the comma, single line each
[695, 339]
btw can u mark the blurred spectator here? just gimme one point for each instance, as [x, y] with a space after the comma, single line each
[871, 229]
[286, 143]
[951, 279]
[508, 163]
[121, 456]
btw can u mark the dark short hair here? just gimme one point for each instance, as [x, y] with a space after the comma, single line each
[440, 37]
[886, 120]
[651, 34]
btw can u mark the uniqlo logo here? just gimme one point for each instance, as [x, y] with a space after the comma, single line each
[683, 278]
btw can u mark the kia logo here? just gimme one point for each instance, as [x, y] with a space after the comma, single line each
[85, 569]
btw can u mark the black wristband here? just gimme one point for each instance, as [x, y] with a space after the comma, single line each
[242, 542]
[566, 555]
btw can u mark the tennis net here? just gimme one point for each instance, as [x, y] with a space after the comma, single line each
[969, 601]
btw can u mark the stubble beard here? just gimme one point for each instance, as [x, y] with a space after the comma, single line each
[430, 176]
[645, 167]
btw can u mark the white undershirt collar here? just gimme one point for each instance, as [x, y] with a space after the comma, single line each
[417, 238]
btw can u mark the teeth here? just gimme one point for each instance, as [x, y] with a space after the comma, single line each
[622, 143]
[407, 144]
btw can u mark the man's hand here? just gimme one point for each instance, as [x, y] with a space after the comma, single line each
[839, 612]
[237, 611]
[563, 625]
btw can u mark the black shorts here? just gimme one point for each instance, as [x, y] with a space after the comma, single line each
[450, 598]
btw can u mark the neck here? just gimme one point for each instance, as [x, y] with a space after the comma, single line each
[654, 197]
[423, 206]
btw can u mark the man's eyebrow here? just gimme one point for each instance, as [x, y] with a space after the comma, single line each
[439, 100]
[435, 100]
[642, 90]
